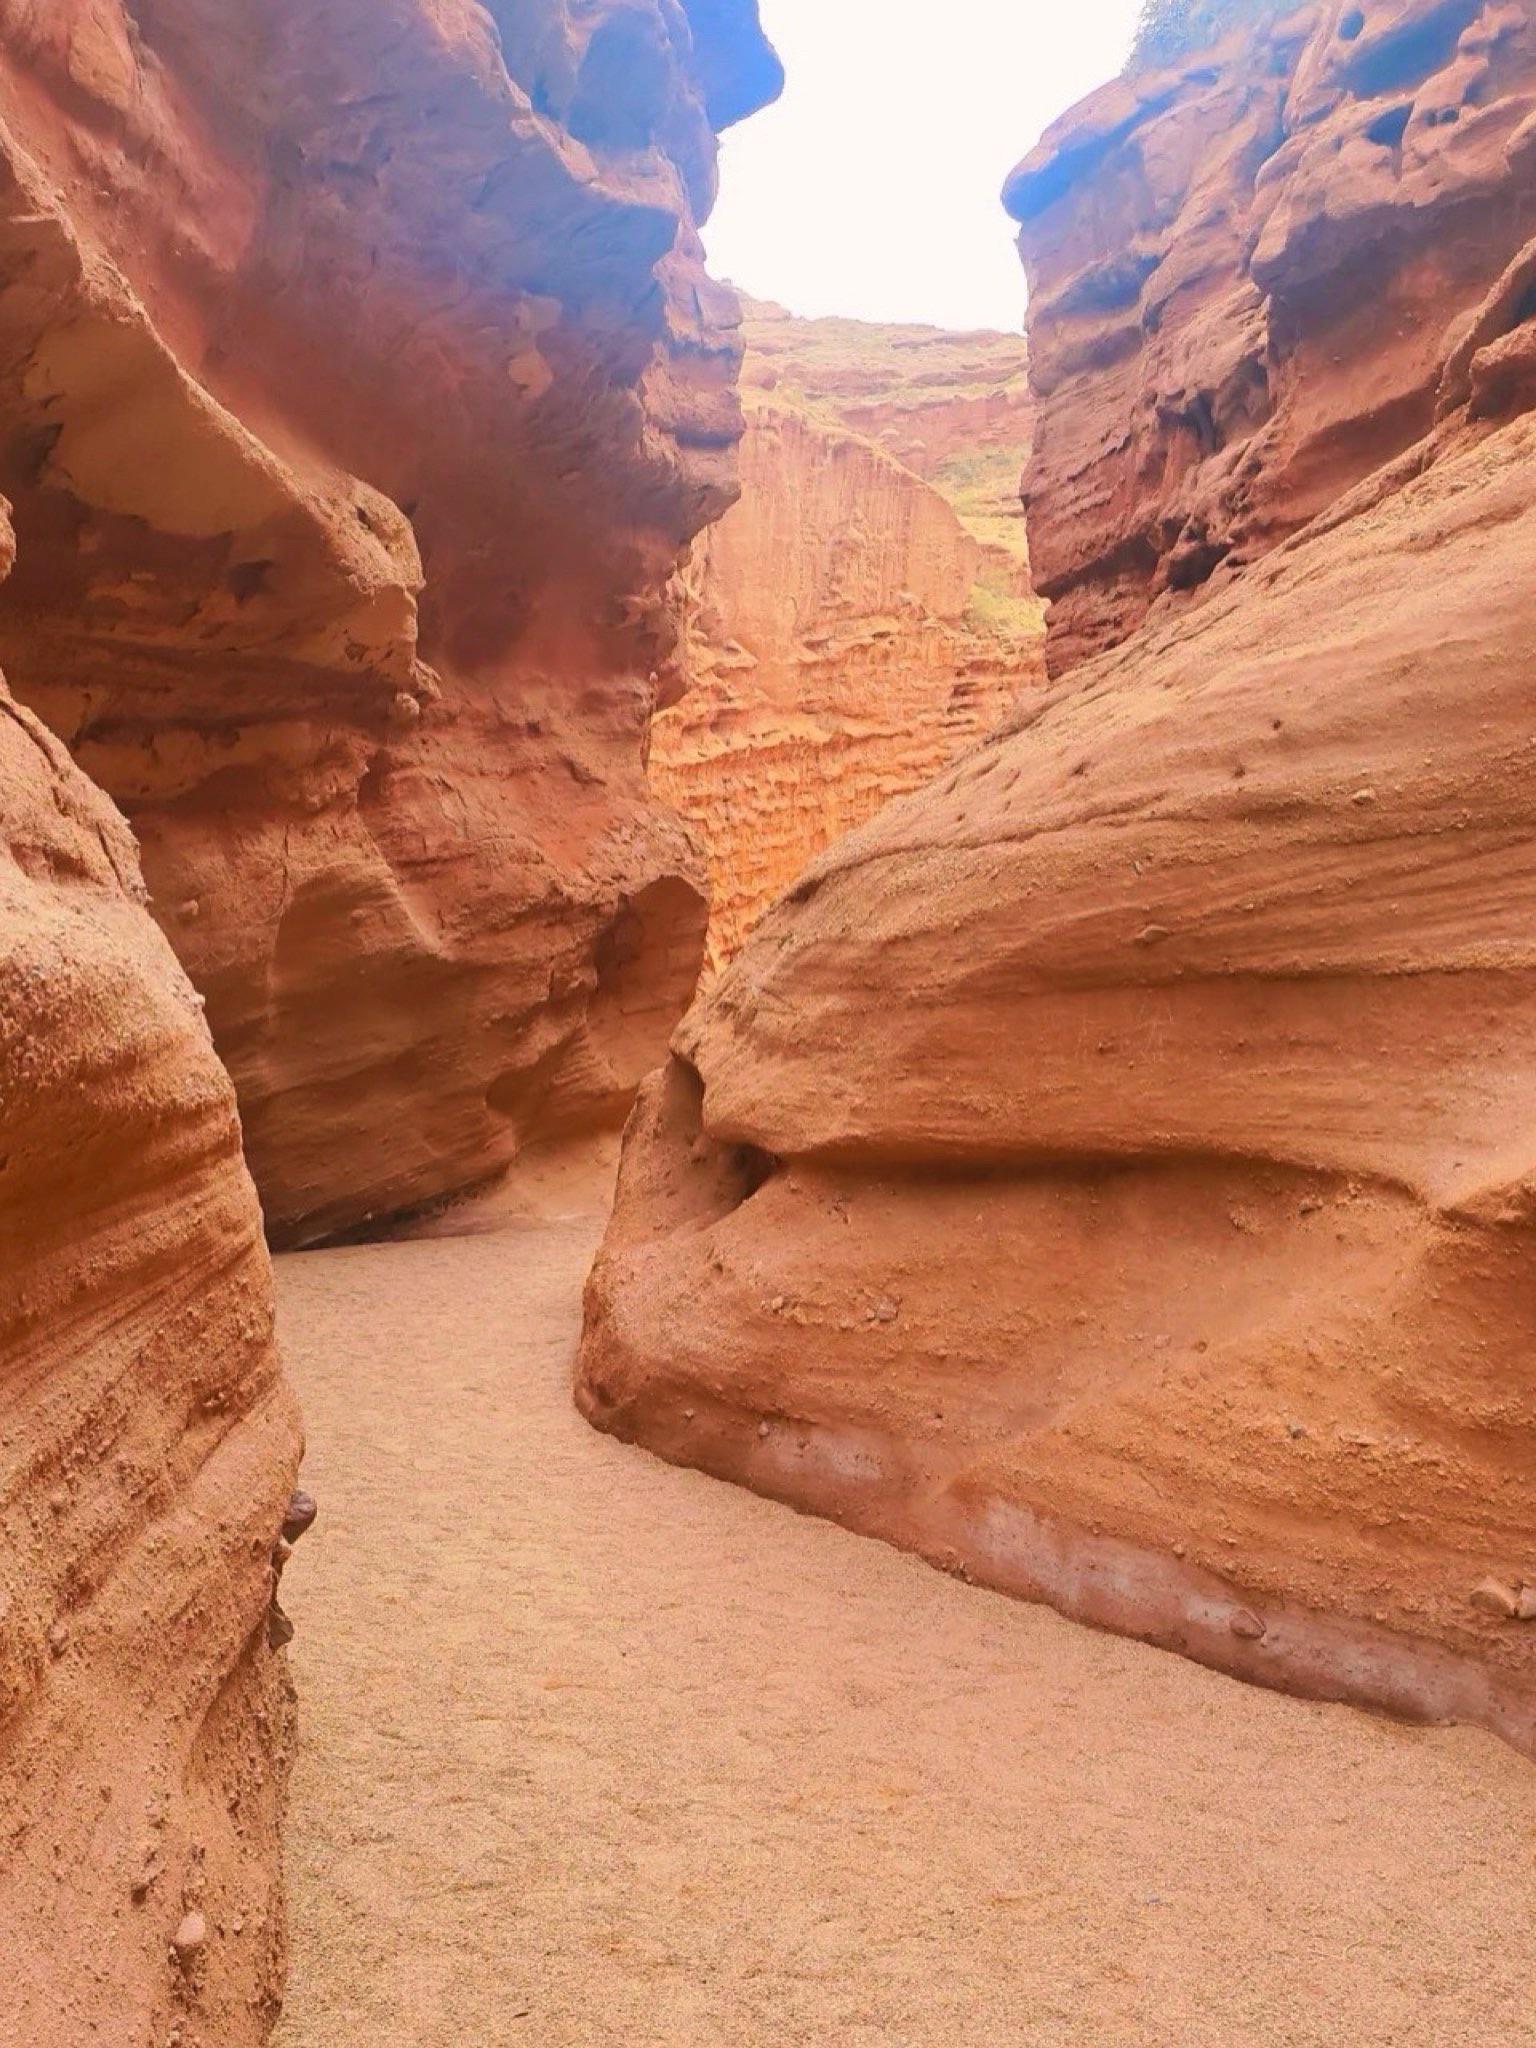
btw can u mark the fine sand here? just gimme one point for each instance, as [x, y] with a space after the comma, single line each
[599, 1754]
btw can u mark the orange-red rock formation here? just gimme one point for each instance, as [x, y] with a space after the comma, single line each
[849, 627]
[363, 384]
[1108, 1170]
[361, 387]
[955, 406]
[147, 1451]
[1247, 275]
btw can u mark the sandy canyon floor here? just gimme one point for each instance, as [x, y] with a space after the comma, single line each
[599, 1754]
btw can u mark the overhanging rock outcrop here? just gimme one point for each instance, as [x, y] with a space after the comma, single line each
[363, 384]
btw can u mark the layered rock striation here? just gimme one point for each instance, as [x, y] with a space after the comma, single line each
[363, 383]
[1107, 1171]
[1250, 276]
[148, 1447]
[850, 627]
[953, 405]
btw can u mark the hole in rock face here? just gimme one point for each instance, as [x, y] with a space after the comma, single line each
[1389, 128]
[1196, 560]
[623, 87]
[249, 579]
[1406, 56]
[754, 1169]
[29, 451]
[1351, 25]
[1524, 308]
[648, 960]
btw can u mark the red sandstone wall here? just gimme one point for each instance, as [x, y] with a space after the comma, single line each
[850, 628]
[360, 386]
[363, 384]
[1108, 1171]
[1247, 276]
[147, 1451]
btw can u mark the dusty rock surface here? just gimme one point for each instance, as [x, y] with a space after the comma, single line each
[597, 1754]
[147, 1451]
[1253, 277]
[864, 614]
[1106, 1171]
[362, 384]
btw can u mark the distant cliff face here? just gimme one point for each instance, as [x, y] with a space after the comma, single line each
[363, 384]
[849, 627]
[1251, 277]
[955, 407]
[1109, 1170]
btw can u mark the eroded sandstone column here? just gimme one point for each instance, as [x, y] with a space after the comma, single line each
[147, 1450]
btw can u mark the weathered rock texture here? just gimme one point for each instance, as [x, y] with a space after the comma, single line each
[1246, 281]
[147, 1451]
[362, 384]
[954, 406]
[849, 628]
[1110, 1170]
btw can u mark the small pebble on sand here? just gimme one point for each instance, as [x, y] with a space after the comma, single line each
[190, 1938]
[1492, 1596]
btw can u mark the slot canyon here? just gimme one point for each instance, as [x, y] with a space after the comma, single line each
[608, 885]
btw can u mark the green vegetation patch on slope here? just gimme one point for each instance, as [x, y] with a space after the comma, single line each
[1170, 29]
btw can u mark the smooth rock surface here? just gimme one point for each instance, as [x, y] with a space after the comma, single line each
[1175, 1096]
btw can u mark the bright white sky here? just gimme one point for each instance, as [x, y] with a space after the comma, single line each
[871, 188]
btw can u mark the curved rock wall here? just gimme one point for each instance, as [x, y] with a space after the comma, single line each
[850, 627]
[147, 1452]
[363, 384]
[1107, 1171]
[1248, 274]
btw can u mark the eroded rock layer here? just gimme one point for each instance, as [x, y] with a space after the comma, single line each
[363, 383]
[1249, 276]
[953, 405]
[1109, 1170]
[849, 627]
[147, 1453]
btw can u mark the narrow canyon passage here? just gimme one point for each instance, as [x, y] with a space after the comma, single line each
[601, 1754]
